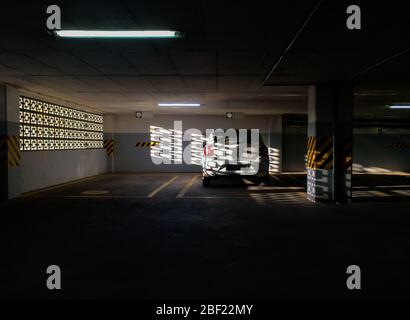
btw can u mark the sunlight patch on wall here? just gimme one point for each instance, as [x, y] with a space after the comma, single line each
[197, 149]
[360, 169]
[274, 160]
[169, 147]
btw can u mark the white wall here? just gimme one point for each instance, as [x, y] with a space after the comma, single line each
[130, 124]
[377, 152]
[41, 169]
[371, 150]
[127, 130]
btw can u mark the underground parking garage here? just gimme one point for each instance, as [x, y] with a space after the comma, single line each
[178, 154]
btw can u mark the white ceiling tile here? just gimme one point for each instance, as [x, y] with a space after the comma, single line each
[195, 62]
[239, 63]
[200, 83]
[25, 64]
[152, 63]
[134, 84]
[168, 84]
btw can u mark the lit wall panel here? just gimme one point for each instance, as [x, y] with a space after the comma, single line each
[47, 126]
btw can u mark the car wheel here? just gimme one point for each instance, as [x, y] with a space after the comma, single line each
[206, 181]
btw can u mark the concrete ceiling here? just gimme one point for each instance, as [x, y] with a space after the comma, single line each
[222, 61]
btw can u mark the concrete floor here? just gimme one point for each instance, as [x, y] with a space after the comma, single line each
[164, 236]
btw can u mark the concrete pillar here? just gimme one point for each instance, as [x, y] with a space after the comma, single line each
[109, 141]
[330, 141]
[10, 156]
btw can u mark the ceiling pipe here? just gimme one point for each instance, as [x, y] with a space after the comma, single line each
[293, 40]
[378, 64]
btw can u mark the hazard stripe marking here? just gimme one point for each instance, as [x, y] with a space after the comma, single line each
[109, 146]
[146, 144]
[321, 153]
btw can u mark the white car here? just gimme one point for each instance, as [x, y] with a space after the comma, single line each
[240, 156]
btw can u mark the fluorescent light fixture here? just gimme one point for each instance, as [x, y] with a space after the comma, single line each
[179, 104]
[398, 106]
[118, 33]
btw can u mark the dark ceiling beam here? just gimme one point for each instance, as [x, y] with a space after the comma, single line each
[378, 64]
[293, 40]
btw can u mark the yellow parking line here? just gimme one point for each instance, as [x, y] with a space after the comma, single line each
[217, 197]
[166, 184]
[187, 186]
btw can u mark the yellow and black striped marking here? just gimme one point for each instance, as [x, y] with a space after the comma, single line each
[13, 151]
[109, 146]
[400, 145]
[10, 150]
[147, 144]
[321, 153]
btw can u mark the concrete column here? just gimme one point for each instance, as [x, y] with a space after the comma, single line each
[10, 156]
[109, 141]
[330, 141]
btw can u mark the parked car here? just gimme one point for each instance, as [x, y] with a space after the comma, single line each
[237, 157]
